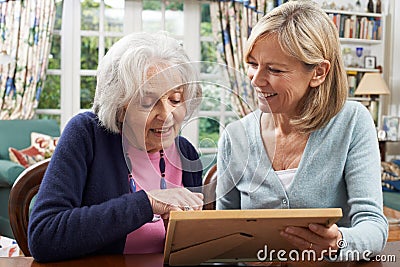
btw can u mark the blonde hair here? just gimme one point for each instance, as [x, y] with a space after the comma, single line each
[306, 32]
[123, 70]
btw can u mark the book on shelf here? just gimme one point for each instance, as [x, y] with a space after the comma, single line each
[352, 26]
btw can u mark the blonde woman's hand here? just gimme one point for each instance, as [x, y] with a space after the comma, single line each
[316, 237]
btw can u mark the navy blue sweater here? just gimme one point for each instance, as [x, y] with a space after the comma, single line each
[84, 206]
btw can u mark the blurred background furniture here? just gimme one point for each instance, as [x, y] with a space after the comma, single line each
[17, 134]
[391, 196]
[209, 187]
[393, 217]
[209, 162]
[24, 189]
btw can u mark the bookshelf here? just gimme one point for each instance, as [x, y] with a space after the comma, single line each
[357, 27]
[361, 35]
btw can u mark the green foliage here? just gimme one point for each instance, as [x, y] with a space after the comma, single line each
[208, 129]
[208, 49]
[151, 5]
[57, 22]
[208, 54]
[55, 53]
[205, 13]
[89, 52]
[49, 117]
[174, 5]
[208, 139]
[156, 5]
[88, 88]
[50, 96]
[90, 15]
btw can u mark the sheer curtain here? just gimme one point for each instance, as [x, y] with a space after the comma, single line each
[26, 28]
[232, 23]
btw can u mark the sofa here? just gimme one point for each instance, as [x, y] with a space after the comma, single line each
[16, 134]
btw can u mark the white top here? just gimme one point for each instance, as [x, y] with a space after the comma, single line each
[286, 177]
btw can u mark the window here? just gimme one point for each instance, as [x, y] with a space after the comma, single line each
[79, 44]
[49, 104]
[215, 111]
[101, 26]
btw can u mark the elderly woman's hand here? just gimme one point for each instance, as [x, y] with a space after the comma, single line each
[165, 200]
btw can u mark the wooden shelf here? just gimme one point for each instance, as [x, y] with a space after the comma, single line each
[359, 98]
[361, 69]
[351, 13]
[360, 41]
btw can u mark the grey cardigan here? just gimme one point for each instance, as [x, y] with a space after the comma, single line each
[340, 167]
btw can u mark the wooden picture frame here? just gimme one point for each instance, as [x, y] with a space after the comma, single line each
[370, 62]
[208, 236]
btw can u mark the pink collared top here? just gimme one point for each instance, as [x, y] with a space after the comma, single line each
[150, 237]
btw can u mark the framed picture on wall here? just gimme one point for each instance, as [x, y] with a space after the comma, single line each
[369, 62]
[391, 127]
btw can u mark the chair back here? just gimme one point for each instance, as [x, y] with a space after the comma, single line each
[24, 189]
[209, 186]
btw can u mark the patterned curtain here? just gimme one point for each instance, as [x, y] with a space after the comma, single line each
[26, 28]
[232, 23]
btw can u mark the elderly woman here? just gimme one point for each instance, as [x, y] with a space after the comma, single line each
[98, 195]
[306, 146]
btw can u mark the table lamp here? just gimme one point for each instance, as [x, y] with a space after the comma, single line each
[373, 85]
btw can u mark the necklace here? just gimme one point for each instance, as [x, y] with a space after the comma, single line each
[132, 183]
[161, 165]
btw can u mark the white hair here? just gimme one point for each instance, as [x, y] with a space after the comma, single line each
[123, 70]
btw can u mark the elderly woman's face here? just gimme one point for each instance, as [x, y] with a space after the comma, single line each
[281, 81]
[153, 121]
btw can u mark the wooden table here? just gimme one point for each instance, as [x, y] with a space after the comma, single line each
[154, 260]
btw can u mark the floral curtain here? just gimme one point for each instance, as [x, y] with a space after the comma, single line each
[232, 23]
[26, 28]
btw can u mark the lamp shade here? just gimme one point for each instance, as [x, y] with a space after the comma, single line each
[372, 84]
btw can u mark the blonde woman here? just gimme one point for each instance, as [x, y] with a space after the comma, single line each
[305, 146]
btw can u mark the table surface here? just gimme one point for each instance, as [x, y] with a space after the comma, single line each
[392, 250]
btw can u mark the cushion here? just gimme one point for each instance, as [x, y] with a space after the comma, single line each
[44, 143]
[8, 247]
[26, 157]
[42, 147]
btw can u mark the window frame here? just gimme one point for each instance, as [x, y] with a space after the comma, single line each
[70, 70]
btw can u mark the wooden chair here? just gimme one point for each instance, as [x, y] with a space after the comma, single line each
[209, 186]
[24, 189]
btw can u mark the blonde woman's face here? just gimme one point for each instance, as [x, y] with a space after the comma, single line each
[154, 120]
[281, 81]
